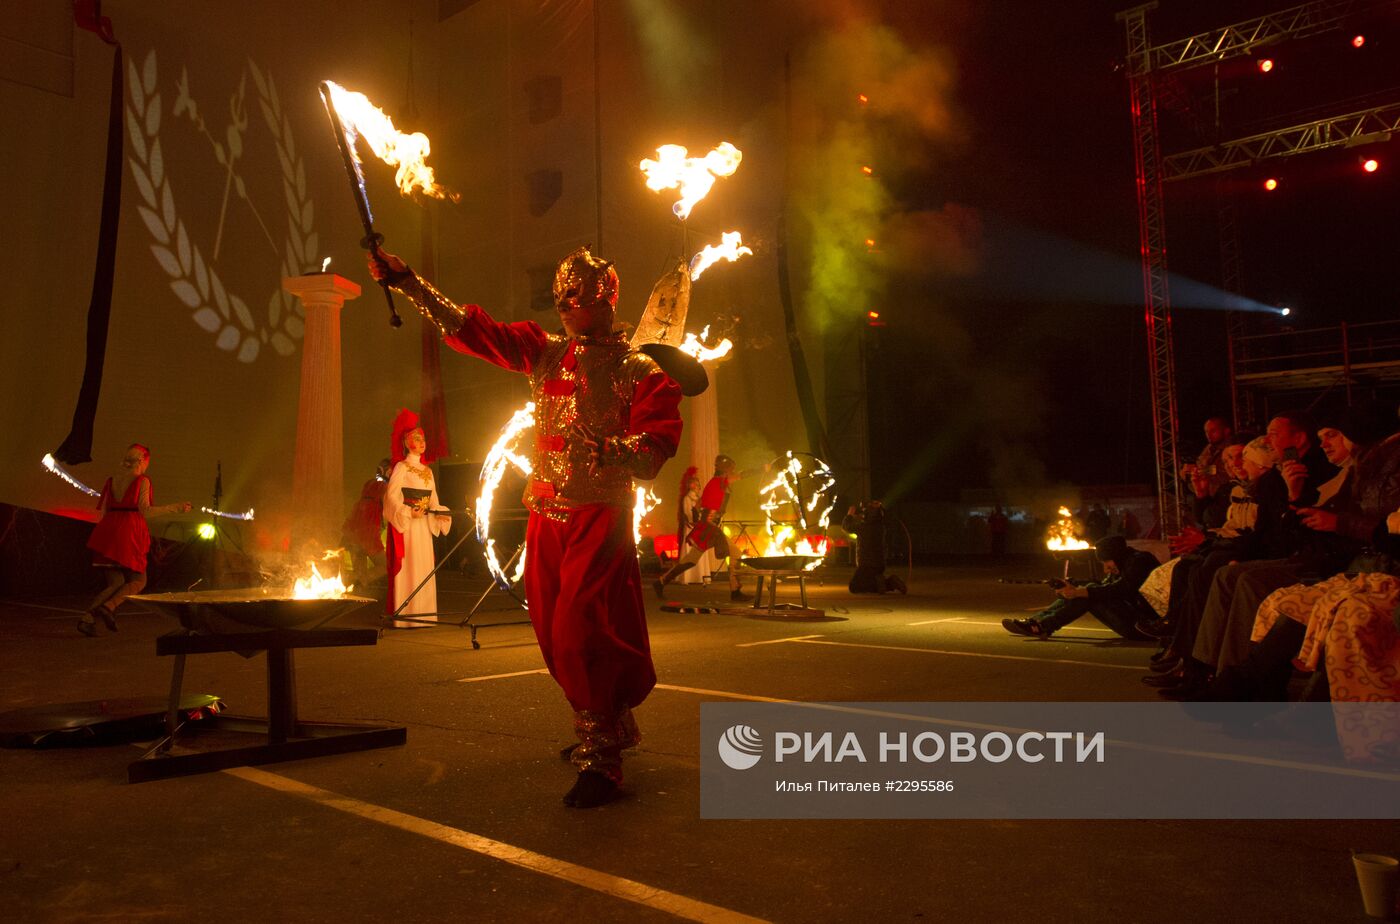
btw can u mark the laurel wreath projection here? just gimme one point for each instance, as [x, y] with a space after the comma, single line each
[193, 279]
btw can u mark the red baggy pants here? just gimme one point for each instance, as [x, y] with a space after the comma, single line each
[585, 596]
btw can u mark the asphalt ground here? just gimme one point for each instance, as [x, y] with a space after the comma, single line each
[465, 820]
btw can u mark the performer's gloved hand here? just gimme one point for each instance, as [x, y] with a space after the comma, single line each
[597, 447]
[385, 267]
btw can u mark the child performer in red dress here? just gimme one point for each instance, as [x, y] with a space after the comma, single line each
[121, 539]
[604, 414]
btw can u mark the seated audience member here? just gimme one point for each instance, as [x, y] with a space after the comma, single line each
[1301, 472]
[1259, 508]
[1348, 624]
[1114, 601]
[1237, 518]
[1325, 534]
[1208, 475]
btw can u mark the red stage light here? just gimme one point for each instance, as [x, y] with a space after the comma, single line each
[1370, 165]
[868, 170]
[1358, 41]
[873, 315]
[1271, 184]
[1266, 65]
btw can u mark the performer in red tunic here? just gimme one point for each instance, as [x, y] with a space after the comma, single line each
[707, 535]
[604, 414]
[121, 540]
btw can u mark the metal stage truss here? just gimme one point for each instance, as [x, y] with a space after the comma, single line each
[1149, 68]
[1344, 358]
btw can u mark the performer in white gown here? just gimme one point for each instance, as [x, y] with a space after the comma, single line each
[408, 502]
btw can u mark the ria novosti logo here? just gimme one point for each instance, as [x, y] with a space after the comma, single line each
[740, 747]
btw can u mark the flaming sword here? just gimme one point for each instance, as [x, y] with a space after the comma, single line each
[372, 238]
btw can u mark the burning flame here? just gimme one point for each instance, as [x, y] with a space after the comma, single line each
[731, 249]
[810, 514]
[695, 346]
[692, 175]
[245, 515]
[408, 153]
[646, 503]
[505, 453]
[316, 587]
[52, 465]
[325, 263]
[1061, 536]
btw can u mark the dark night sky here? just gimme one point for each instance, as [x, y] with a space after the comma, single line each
[1055, 315]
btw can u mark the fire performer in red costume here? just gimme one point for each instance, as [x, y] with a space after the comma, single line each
[121, 540]
[604, 414]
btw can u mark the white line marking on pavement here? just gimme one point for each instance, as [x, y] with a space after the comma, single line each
[929, 622]
[774, 641]
[40, 606]
[538, 670]
[973, 654]
[626, 889]
[723, 693]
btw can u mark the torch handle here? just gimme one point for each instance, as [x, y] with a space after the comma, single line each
[371, 242]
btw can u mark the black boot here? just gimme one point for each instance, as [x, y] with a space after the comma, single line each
[1194, 677]
[591, 790]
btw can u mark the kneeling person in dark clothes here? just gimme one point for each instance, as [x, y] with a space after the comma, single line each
[867, 524]
[1114, 601]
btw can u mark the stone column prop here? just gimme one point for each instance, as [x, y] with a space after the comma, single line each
[318, 479]
[704, 446]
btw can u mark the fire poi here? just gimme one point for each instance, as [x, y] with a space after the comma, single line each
[797, 507]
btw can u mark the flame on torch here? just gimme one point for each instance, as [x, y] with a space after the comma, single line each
[406, 152]
[1062, 535]
[693, 176]
[695, 346]
[731, 248]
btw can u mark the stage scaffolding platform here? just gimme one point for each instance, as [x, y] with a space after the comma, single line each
[1295, 367]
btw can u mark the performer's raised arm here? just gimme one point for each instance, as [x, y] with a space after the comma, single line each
[465, 328]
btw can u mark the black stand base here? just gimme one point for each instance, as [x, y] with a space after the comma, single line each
[286, 737]
[312, 739]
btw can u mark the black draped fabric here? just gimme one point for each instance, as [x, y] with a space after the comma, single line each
[77, 446]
